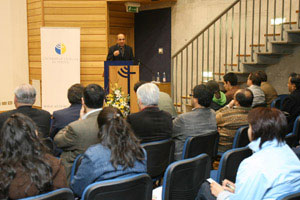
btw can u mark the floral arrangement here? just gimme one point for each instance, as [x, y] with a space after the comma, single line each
[118, 100]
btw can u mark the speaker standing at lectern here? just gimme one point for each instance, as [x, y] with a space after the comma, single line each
[120, 51]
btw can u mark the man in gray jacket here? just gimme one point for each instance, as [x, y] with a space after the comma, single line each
[75, 138]
[201, 120]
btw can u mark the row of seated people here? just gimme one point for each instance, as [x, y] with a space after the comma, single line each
[27, 169]
[79, 135]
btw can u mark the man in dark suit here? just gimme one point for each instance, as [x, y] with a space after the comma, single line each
[24, 99]
[120, 51]
[151, 123]
[63, 117]
[291, 104]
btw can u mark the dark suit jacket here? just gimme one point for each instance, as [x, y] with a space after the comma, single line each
[62, 118]
[40, 117]
[291, 105]
[128, 55]
[151, 124]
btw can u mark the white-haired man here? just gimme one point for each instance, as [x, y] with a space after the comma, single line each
[150, 123]
[24, 99]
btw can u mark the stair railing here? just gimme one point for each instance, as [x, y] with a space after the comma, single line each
[212, 52]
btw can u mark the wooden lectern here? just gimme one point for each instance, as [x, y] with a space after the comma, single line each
[125, 74]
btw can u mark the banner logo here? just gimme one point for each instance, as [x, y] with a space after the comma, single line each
[60, 49]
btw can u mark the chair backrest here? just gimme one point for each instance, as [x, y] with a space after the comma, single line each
[276, 103]
[159, 155]
[292, 139]
[183, 178]
[230, 162]
[135, 187]
[196, 145]
[75, 165]
[61, 194]
[290, 196]
[282, 97]
[241, 137]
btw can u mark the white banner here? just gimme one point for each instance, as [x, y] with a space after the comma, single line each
[60, 49]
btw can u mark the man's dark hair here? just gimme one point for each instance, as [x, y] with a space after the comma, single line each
[254, 77]
[93, 96]
[213, 86]
[295, 79]
[231, 78]
[75, 93]
[263, 76]
[244, 97]
[138, 84]
[267, 124]
[203, 95]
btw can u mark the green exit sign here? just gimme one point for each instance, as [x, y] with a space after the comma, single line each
[132, 9]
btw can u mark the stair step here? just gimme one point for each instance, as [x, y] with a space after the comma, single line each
[293, 31]
[289, 22]
[271, 53]
[285, 42]
[185, 97]
[255, 64]
[271, 34]
[234, 65]
[243, 55]
[257, 45]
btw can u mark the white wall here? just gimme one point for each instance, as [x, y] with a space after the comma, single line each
[13, 49]
[189, 17]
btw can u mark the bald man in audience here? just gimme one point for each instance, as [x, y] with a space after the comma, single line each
[120, 51]
[24, 99]
[232, 117]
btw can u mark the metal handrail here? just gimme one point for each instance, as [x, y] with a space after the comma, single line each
[207, 27]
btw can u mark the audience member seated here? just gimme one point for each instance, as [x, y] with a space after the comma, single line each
[254, 83]
[76, 137]
[267, 88]
[201, 120]
[232, 117]
[25, 95]
[271, 171]
[150, 123]
[219, 98]
[291, 103]
[62, 118]
[117, 155]
[165, 102]
[230, 85]
[27, 169]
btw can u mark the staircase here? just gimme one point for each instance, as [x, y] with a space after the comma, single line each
[247, 36]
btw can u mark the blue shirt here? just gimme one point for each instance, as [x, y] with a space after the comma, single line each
[272, 170]
[96, 166]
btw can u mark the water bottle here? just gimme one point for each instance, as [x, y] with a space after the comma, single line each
[164, 77]
[157, 77]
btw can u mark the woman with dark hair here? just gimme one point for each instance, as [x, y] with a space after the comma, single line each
[118, 154]
[272, 170]
[26, 167]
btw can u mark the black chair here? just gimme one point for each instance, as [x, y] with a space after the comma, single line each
[75, 165]
[290, 196]
[183, 178]
[229, 164]
[194, 146]
[241, 138]
[135, 187]
[292, 139]
[159, 155]
[61, 194]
